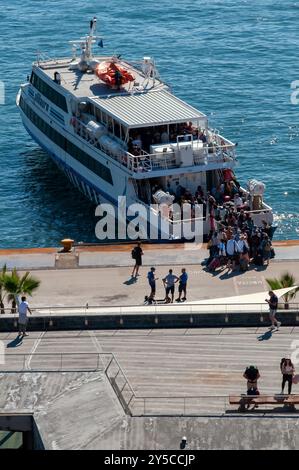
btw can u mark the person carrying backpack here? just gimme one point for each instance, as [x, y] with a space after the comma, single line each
[137, 254]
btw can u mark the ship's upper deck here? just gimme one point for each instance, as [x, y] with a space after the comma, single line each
[88, 85]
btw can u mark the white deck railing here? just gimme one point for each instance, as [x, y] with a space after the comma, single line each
[219, 151]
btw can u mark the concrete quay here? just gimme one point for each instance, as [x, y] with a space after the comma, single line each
[107, 297]
[111, 284]
[120, 255]
[174, 375]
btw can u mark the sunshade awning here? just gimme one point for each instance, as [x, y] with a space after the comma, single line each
[253, 302]
[148, 109]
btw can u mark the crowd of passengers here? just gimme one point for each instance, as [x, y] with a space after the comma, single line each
[234, 240]
[144, 138]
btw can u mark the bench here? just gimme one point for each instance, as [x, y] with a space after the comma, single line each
[243, 400]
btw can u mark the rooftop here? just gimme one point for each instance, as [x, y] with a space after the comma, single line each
[148, 109]
[83, 85]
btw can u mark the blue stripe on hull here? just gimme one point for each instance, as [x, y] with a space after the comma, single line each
[78, 180]
[73, 175]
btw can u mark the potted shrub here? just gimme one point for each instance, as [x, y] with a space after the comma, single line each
[16, 285]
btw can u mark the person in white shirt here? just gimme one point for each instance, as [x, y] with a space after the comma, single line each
[164, 136]
[23, 310]
[242, 244]
[169, 282]
[231, 251]
[238, 201]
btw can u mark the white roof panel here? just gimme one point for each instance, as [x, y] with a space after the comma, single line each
[147, 109]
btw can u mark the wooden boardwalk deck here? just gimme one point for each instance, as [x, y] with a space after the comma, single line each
[175, 367]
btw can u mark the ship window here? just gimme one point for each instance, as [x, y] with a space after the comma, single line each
[110, 124]
[117, 129]
[105, 118]
[78, 154]
[98, 114]
[91, 109]
[48, 92]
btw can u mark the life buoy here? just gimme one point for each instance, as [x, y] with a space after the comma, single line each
[112, 74]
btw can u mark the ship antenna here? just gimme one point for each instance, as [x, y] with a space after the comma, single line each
[90, 37]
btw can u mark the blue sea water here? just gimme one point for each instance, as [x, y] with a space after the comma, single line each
[233, 59]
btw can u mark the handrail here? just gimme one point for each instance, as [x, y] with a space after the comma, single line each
[149, 162]
[293, 306]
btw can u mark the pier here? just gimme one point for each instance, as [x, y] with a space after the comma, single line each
[140, 377]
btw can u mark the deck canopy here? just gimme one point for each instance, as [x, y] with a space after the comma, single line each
[148, 109]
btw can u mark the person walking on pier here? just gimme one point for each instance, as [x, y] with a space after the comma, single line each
[137, 254]
[273, 303]
[287, 370]
[169, 282]
[152, 282]
[183, 285]
[23, 320]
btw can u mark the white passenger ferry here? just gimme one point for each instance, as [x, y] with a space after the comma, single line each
[115, 129]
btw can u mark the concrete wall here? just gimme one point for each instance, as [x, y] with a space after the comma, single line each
[184, 320]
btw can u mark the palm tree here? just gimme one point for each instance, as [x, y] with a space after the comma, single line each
[2, 288]
[15, 285]
[285, 280]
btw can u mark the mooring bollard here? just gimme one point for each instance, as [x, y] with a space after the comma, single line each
[67, 244]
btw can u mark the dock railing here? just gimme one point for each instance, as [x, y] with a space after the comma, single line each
[158, 308]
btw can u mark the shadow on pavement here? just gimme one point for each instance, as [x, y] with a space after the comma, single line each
[265, 336]
[130, 281]
[15, 342]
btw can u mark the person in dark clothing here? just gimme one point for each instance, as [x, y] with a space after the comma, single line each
[152, 282]
[252, 375]
[287, 370]
[182, 285]
[137, 254]
[273, 303]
